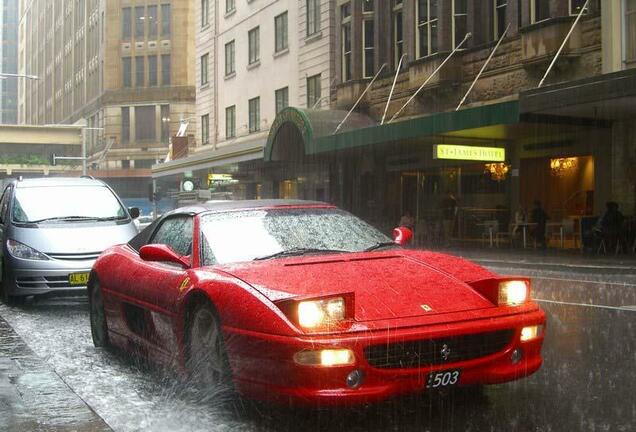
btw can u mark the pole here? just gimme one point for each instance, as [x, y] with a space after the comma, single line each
[154, 201]
[483, 68]
[567, 37]
[84, 152]
[397, 72]
[468, 35]
[359, 99]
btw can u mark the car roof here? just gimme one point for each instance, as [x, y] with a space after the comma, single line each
[223, 206]
[57, 181]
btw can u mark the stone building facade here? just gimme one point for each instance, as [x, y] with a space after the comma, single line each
[122, 67]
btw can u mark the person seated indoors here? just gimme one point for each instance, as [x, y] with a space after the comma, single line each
[609, 227]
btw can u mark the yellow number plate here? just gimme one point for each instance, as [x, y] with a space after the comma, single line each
[78, 278]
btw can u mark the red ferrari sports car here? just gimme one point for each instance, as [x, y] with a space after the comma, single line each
[303, 302]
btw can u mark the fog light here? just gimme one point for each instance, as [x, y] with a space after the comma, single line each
[516, 356]
[354, 379]
[532, 332]
[326, 358]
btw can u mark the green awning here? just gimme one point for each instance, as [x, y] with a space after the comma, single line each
[316, 127]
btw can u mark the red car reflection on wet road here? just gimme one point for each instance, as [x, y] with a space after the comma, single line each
[303, 302]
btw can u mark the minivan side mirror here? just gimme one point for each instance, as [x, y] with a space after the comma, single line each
[402, 235]
[134, 212]
[162, 253]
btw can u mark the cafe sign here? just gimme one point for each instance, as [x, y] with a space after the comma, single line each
[469, 153]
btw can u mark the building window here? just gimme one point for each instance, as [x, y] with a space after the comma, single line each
[280, 26]
[398, 33]
[368, 6]
[427, 19]
[140, 71]
[368, 46]
[499, 21]
[204, 69]
[255, 114]
[140, 18]
[576, 6]
[126, 23]
[145, 123]
[152, 22]
[460, 21]
[229, 58]
[126, 71]
[282, 99]
[253, 37]
[230, 6]
[345, 13]
[630, 31]
[165, 70]
[205, 129]
[166, 18]
[313, 17]
[539, 10]
[152, 71]
[230, 122]
[165, 123]
[125, 125]
[205, 12]
[313, 91]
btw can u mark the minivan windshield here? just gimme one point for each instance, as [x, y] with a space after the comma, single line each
[271, 233]
[66, 203]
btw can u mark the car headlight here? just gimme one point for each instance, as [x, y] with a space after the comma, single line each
[20, 250]
[319, 313]
[513, 292]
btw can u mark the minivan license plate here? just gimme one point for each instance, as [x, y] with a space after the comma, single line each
[78, 278]
[447, 378]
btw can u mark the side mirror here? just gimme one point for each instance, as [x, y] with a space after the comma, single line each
[162, 253]
[134, 212]
[402, 235]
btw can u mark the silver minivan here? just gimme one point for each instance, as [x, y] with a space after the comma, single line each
[53, 230]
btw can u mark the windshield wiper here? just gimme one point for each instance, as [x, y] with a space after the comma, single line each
[111, 218]
[64, 218]
[298, 251]
[380, 245]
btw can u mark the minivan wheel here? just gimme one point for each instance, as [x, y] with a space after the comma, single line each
[99, 328]
[7, 299]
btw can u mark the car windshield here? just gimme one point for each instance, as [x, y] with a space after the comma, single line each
[260, 234]
[66, 203]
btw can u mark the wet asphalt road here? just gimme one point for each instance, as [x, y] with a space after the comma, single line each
[586, 384]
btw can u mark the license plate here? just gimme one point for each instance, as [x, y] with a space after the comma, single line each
[78, 278]
[443, 379]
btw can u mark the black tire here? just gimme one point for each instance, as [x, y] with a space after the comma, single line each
[99, 326]
[7, 299]
[206, 359]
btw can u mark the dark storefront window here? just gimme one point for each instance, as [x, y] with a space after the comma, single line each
[460, 21]
[499, 20]
[540, 10]
[368, 46]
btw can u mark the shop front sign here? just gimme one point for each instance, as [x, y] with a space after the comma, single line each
[469, 153]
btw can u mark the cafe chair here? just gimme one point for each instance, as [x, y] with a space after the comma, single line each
[489, 234]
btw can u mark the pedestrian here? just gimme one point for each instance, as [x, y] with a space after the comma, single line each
[539, 217]
[407, 220]
[448, 207]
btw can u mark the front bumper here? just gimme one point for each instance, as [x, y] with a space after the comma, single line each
[51, 277]
[263, 366]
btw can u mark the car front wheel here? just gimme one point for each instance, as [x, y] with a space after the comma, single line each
[207, 361]
[7, 299]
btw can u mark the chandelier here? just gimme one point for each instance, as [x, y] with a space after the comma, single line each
[560, 166]
[497, 171]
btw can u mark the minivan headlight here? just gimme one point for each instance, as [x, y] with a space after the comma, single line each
[20, 250]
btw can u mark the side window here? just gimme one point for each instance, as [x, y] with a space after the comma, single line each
[175, 232]
[4, 204]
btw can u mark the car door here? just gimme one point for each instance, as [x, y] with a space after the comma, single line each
[4, 223]
[153, 289]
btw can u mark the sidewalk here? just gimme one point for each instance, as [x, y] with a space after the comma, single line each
[550, 259]
[33, 397]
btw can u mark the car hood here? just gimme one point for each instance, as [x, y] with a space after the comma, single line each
[385, 285]
[77, 238]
